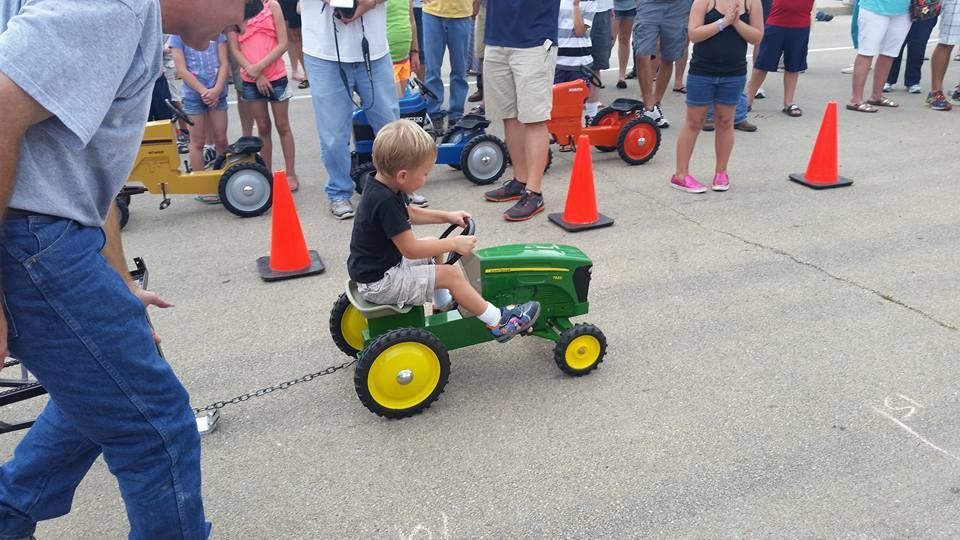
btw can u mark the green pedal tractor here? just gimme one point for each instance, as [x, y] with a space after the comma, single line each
[403, 363]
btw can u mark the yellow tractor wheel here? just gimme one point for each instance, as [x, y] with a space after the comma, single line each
[580, 349]
[402, 372]
[346, 326]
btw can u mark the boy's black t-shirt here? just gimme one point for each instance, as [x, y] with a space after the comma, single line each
[381, 215]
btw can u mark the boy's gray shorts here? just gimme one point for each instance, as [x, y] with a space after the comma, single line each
[665, 20]
[409, 283]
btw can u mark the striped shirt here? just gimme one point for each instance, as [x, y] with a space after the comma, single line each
[574, 51]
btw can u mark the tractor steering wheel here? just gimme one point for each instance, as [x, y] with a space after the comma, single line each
[423, 88]
[469, 230]
[177, 114]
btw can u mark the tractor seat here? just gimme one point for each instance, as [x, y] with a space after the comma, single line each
[245, 145]
[372, 311]
[626, 105]
[472, 121]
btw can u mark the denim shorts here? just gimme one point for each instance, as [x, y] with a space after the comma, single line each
[280, 91]
[196, 106]
[703, 91]
[568, 74]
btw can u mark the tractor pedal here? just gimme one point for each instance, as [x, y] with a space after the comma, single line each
[567, 148]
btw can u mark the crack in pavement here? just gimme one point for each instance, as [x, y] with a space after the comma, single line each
[777, 251]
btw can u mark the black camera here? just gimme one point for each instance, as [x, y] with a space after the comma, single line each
[345, 12]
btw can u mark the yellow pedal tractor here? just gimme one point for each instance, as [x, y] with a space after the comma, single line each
[239, 176]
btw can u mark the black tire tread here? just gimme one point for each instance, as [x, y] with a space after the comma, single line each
[595, 121]
[486, 137]
[336, 314]
[621, 140]
[567, 336]
[222, 192]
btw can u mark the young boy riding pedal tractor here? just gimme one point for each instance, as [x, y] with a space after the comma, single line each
[238, 176]
[403, 361]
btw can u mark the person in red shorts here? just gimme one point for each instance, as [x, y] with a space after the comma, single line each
[786, 34]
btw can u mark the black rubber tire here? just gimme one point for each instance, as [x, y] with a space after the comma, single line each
[361, 174]
[336, 329]
[465, 159]
[381, 344]
[567, 337]
[622, 141]
[595, 121]
[123, 206]
[225, 178]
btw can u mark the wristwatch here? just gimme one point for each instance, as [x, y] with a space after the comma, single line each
[720, 24]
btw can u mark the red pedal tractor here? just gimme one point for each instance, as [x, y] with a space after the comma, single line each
[621, 126]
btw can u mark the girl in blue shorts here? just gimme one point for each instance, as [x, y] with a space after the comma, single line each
[720, 31]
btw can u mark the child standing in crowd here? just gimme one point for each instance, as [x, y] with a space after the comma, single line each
[720, 31]
[402, 37]
[625, 11]
[573, 44]
[176, 94]
[204, 94]
[786, 34]
[258, 47]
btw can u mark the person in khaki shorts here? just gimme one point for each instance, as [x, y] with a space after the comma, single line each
[518, 65]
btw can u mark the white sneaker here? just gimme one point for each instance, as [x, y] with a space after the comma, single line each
[887, 88]
[341, 209]
[761, 93]
[656, 114]
[847, 70]
[419, 200]
[915, 89]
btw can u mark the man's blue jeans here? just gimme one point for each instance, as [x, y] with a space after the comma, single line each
[333, 111]
[439, 35]
[739, 115]
[76, 326]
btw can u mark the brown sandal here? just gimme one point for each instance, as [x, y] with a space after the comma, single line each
[861, 107]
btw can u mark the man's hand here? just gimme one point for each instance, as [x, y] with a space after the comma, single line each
[149, 298]
[414, 61]
[363, 6]
[4, 351]
[458, 218]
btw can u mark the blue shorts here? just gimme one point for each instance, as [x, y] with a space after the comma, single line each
[791, 43]
[625, 13]
[280, 91]
[703, 91]
[196, 106]
[569, 74]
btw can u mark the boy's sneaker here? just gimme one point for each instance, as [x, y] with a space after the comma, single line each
[656, 114]
[209, 155]
[529, 205]
[419, 200]
[341, 209]
[914, 89]
[955, 95]
[761, 94]
[938, 102]
[887, 88]
[183, 141]
[688, 184]
[515, 320]
[511, 190]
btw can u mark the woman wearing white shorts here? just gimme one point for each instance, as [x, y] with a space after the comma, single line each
[883, 27]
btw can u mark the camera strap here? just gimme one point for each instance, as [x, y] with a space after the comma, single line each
[365, 49]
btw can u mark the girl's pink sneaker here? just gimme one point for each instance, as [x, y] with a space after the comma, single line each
[688, 184]
[721, 182]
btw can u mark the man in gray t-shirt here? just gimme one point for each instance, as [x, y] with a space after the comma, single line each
[70, 135]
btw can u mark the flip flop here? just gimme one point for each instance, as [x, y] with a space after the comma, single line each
[792, 110]
[861, 107]
[304, 84]
[884, 102]
[681, 90]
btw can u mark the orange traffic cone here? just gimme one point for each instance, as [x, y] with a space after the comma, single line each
[288, 257]
[580, 212]
[822, 169]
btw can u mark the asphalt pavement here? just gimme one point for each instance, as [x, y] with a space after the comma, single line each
[782, 362]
